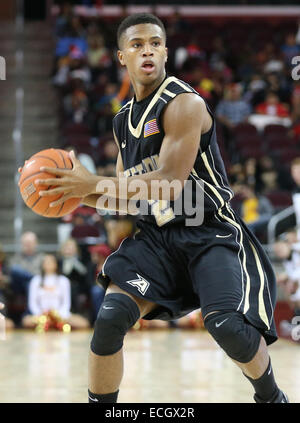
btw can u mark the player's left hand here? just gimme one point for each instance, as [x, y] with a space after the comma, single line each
[77, 182]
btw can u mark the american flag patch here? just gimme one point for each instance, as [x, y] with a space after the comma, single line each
[150, 128]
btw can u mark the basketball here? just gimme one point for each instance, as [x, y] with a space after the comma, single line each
[29, 189]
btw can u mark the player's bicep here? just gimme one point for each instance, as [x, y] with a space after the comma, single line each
[183, 122]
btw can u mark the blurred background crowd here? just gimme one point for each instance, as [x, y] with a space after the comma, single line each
[244, 72]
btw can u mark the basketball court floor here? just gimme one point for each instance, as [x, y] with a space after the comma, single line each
[161, 366]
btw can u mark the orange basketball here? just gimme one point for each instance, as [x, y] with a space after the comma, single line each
[30, 190]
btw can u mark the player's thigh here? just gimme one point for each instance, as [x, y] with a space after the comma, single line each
[144, 306]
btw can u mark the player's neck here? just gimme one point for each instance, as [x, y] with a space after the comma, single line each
[143, 91]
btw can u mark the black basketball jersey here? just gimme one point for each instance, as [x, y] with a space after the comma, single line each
[139, 133]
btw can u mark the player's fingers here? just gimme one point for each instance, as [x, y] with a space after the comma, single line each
[74, 159]
[2, 306]
[54, 191]
[61, 200]
[55, 171]
[57, 181]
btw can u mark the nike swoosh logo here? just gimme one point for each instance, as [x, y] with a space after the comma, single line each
[223, 236]
[108, 308]
[93, 399]
[123, 144]
[221, 323]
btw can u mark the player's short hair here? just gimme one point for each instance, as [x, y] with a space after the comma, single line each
[136, 19]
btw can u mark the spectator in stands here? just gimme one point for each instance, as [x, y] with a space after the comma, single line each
[26, 264]
[277, 84]
[291, 47]
[271, 176]
[99, 254]
[72, 267]
[98, 56]
[272, 107]
[78, 68]
[76, 105]
[256, 210]
[232, 110]
[255, 89]
[49, 291]
[63, 19]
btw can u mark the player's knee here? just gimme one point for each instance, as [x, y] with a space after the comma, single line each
[236, 337]
[118, 313]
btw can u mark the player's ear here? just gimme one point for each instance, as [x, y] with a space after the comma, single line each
[121, 57]
[166, 54]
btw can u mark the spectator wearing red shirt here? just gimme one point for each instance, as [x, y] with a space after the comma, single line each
[272, 107]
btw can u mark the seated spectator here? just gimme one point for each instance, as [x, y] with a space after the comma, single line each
[271, 176]
[272, 107]
[76, 104]
[72, 267]
[63, 19]
[98, 56]
[255, 88]
[232, 109]
[26, 264]
[50, 291]
[99, 254]
[255, 210]
[291, 47]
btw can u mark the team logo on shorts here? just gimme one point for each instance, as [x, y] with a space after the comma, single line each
[141, 284]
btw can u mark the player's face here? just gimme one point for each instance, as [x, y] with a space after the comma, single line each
[144, 53]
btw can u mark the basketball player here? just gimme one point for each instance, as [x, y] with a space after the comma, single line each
[165, 133]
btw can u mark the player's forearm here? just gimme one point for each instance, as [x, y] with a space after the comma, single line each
[155, 185]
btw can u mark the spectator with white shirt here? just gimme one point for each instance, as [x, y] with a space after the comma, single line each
[51, 292]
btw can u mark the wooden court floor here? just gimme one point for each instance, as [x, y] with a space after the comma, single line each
[160, 366]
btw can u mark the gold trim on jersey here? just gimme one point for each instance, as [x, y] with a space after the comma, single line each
[261, 304]
[136, 132]
[169, 94]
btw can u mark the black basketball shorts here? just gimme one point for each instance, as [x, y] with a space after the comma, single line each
[217, 266]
